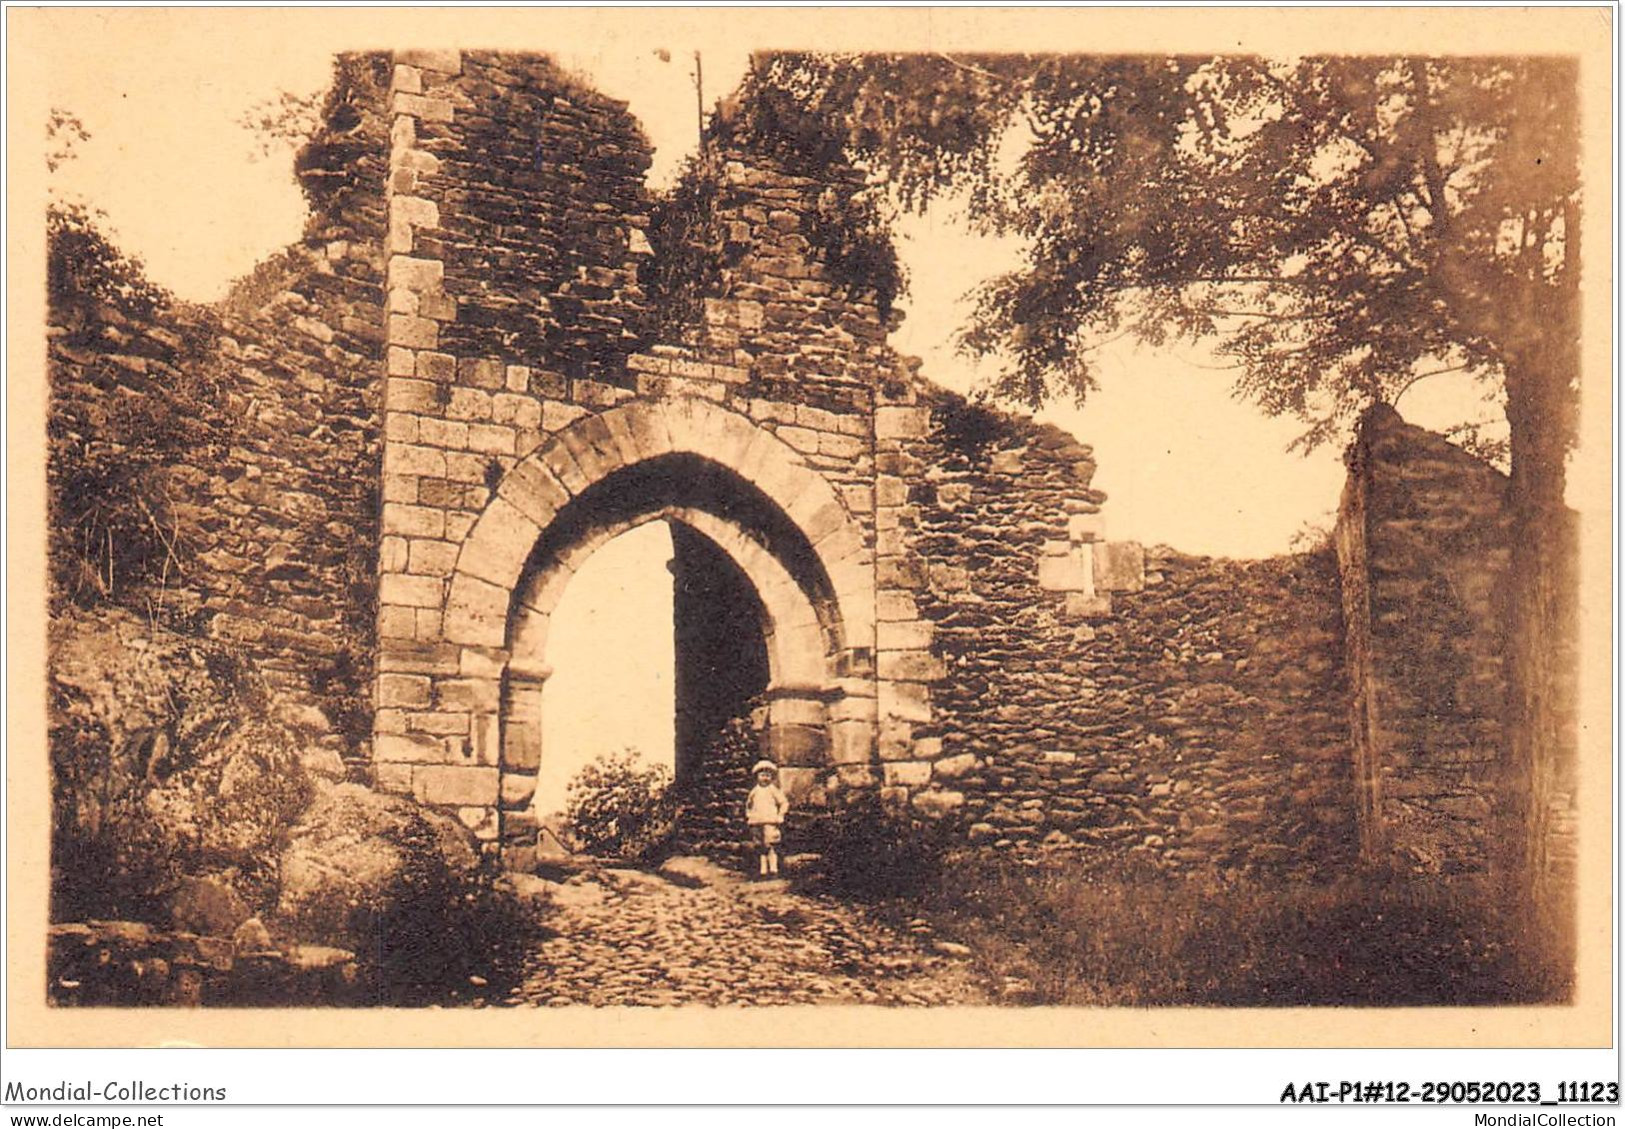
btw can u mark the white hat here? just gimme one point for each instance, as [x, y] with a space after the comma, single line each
[764, 764]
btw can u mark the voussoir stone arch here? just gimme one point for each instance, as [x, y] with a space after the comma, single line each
[798, 653]
[531, 495]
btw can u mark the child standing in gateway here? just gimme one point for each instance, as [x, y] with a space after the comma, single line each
[764, 814]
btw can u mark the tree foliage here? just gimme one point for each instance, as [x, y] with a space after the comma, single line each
[848, 226]
[282, 124]
[1341, 227]
[64, 132]
[83, 268]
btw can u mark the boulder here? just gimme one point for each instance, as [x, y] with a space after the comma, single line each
[579, 895]
[323, 763]
[308, 958]
[356, 853]
[627, 878]
[207, 905]
[560, 866]
[252, 937]
[168, 770]
[303, 718]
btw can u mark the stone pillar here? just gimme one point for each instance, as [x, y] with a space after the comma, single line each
[853, 716]
[521, 760]
[797, 739]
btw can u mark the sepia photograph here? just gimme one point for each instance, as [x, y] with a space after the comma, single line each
[685, 525]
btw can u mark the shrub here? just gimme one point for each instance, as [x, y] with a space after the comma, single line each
[435, 929]
[620, 807]
[403, 888]
[163, 767]
[873, 851]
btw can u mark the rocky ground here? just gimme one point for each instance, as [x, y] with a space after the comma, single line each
[694, 933]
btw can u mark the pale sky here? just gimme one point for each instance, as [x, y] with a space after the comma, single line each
[611, 644]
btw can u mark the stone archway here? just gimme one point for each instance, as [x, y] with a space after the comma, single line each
[693, 462]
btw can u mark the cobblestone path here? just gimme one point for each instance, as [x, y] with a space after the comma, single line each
[627, 937]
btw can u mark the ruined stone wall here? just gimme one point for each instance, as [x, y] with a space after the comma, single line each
[1234, 674]
[131, 395]
[120, 963]
[1188, 710]
[528, 190]
[291, 577]
[477, 289]
[1424, 538]
[278, 511]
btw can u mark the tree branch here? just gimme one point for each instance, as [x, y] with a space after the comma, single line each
[1421, 376]
[1217, 311]
[1431, 173]
[970, 68]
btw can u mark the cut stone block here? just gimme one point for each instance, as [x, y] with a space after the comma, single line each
[904, 635]
[902, 423]
[412, 521]
[518, 789]
[501, 541]
[906, 701]
[533, 490]
[907, 774]
[431, 558]
[455, 784]
[910, 666]
[1080, 605]
[440, 724]
[403, 590]
[416, 275]
[477, 612]
[852, 742]
[802, 787]
[1119, 566]
[407, 458]
[444, 62]
[936, 804]
[402, 748]
[1072, 573]
[411, 332]
[468, 694]
[853, 709]
[522, 747]
[403, 690]
[407, 80]
[1086, 527]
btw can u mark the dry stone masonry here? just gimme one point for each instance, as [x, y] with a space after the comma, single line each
[476, 371]
[1424, 536]
[279, 528]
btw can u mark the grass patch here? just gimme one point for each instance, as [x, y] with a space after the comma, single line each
[1059, 932]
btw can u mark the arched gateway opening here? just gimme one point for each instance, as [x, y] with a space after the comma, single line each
[658, 649]
[613, 658]
[768, 564]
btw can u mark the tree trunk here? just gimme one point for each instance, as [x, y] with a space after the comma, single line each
[1538, 647]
